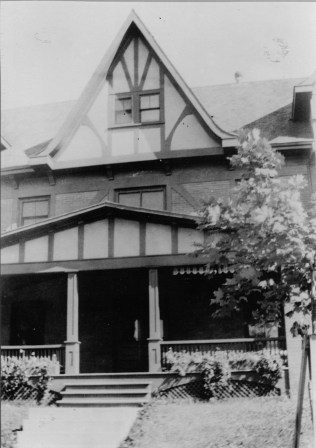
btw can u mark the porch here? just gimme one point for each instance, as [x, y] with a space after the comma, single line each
[114, 321]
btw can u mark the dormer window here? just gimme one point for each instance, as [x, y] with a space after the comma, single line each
[137, 107]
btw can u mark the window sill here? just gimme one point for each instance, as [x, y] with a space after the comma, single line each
[135, 125]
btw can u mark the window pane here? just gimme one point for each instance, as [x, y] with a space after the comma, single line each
[149, 101]
[123, 117]
[149, 115]
[42, 208]
[28, 209]
[123, 110]
[123, 104]
[28, 221]
[130, 199]
[153, 200]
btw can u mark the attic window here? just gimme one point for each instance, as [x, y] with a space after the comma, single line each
[137, 107]
[149, 108]
[123, 110]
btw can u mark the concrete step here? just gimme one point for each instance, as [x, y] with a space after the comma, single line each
[89, 392]
[101, 401]
[102, 384]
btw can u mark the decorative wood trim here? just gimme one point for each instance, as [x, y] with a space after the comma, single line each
[80, 239]
[111, 237]
[186, 195]
[51, 246]
[142, 239]
[127, 75]
[166, 166]
[174, 239]
[136, 40]
[136, 140]
[162, 110]
[148, 61]
[104, 263]
[186, 111]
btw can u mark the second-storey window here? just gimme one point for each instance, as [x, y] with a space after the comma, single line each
[34, 210]
[151, 198]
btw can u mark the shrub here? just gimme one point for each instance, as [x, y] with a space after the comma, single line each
[215, 369]
[25, 377]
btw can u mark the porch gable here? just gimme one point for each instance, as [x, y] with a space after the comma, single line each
[102, 233]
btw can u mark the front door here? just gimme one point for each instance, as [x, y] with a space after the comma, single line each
[113, 322]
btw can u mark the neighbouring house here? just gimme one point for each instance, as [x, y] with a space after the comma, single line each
[99, 198]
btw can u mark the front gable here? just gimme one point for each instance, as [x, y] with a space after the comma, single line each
[135, 107]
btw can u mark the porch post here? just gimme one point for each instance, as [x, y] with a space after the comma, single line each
[72, 358]
[154, 323]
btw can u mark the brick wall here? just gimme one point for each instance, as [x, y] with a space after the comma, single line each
[179, 204]
[68, 202]
[203, 191]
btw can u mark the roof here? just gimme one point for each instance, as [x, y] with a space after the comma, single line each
[233, 106]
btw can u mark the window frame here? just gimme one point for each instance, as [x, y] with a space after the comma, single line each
[135, 96]
[141, 190]
[26, 200]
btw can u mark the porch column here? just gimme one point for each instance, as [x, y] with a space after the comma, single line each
[154, 323]
[72, 358]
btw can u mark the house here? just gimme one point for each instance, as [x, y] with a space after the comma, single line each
[99, 201]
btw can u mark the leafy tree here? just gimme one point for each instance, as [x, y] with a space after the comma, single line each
[262, 238]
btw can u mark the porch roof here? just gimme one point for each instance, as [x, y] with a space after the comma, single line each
[94, 212]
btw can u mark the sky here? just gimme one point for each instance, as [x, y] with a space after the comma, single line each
[49, 50]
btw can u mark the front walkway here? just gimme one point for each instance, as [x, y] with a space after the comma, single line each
[54, 427]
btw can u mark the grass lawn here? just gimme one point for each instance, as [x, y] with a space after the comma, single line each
[12, 415]
[248, 423]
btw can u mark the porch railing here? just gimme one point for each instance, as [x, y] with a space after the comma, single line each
[53, 351]
[272, 345]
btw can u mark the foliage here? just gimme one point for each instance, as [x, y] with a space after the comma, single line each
[216, 368]
[18, 374]
[265, 239]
